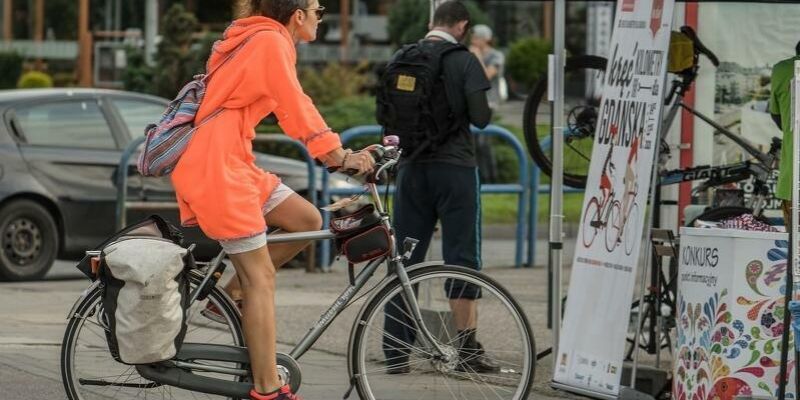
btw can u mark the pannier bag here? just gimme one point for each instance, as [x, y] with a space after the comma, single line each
[360, 236]
[146, 292]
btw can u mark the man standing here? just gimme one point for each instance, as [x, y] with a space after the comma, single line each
[780, 106]
[430, 92]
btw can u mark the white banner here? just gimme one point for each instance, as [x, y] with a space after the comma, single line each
[592, 340]
[736, 94]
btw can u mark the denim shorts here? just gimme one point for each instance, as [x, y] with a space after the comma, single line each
[243, 245]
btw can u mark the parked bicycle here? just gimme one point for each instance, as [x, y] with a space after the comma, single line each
[213, 360]
[584, 76]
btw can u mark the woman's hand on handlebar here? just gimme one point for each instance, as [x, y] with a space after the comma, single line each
[358, 162]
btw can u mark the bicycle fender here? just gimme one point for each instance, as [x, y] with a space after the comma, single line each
[83, 295]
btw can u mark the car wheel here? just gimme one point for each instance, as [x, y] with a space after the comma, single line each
[28, 241]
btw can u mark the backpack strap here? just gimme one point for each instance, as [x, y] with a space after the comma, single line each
[231, 54]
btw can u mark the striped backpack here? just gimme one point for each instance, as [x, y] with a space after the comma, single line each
[166, 140]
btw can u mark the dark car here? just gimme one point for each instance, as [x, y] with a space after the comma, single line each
[59, 153]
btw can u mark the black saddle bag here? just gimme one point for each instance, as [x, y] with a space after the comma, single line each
[361, 237]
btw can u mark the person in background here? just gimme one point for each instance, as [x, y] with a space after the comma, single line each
[439, 182]
[493, 62]
[780, 107]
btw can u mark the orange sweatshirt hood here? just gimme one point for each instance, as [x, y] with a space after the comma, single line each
[241, 29]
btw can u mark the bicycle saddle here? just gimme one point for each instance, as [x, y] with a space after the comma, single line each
[701, 48]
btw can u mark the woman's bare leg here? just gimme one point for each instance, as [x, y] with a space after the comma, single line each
[257, 276]
[295, 214]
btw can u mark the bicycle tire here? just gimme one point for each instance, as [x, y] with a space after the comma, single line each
[92, 300]
[531, 120]
[374, 308]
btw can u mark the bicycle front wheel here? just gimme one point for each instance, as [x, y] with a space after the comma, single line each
[495, 359]
[90, 372]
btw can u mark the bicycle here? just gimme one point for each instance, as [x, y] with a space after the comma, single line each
[583, 75]
[213, 360]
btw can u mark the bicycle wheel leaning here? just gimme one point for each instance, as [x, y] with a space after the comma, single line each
[583, 76]
[89, 371]
[502, 335]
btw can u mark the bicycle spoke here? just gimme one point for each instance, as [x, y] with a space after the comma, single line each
[451, 374]
[95, 374]
[578, 152]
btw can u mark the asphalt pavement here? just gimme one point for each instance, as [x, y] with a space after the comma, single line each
[34, 319]
[34, 316]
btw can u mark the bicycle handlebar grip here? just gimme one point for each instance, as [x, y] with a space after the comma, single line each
[391, 140]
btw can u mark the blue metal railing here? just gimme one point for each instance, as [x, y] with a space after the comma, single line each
[521, 188]
[533, 206]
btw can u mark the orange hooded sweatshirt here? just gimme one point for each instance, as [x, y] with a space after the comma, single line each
[217, 183]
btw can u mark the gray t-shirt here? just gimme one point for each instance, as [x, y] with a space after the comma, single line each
[497, 59]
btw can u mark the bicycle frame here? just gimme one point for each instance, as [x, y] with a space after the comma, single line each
[395, 262]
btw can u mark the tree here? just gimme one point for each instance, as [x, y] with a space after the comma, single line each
[138, 76]
[527, 60]
[408, 20]
[175, 58]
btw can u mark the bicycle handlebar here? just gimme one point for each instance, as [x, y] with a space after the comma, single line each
[700, 48]
[386, 156]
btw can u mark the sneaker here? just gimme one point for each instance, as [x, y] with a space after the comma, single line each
[284, 393]
[398, 368]
[473, 358]
[476, 361]
[212, 312]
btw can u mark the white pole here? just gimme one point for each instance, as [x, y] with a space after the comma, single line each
[150, 30]
[795, 173]
[556, 190]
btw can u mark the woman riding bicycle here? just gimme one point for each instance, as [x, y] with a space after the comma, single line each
[220, 188]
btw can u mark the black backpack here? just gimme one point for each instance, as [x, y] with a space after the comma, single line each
[411, 99]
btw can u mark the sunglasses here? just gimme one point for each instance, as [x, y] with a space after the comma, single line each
[320, 11]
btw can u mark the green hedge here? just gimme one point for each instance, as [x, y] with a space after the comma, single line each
[527, 60]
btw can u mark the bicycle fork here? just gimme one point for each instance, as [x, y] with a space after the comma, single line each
[411, 300]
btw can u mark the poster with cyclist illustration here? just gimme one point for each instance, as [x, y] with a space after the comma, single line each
[592, 340]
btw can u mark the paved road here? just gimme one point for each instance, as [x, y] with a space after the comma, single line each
[34, 318]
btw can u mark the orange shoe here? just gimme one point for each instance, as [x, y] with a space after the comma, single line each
[212, 312]
[284, 393]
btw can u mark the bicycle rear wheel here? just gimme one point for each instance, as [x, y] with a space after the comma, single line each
[583, 77]
[88, 370]
[503, 332]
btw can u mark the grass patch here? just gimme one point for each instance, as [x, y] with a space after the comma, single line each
[502, 208]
